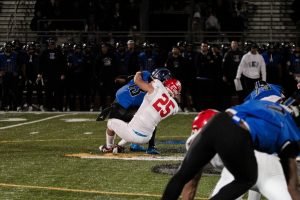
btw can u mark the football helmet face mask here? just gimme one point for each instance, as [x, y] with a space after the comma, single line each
[202, 118]
[173, 86]
[161, 74]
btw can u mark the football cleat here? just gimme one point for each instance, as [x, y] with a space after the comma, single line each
[118, 149]
[152, 150]
[105, 149]
[137, 148]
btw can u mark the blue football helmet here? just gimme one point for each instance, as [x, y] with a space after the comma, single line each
[161, 74]
[264, 89]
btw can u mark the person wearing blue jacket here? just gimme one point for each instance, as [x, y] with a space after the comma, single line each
[10, 79]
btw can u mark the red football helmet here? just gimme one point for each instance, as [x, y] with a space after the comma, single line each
[202, 118]
[173, 86]
[199, 122]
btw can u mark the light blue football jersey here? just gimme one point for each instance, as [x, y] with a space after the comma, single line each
[271, 126]
[130, 94]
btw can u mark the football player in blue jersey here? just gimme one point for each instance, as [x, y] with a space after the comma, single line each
[271, 181]
[128, 99]
[264, 125]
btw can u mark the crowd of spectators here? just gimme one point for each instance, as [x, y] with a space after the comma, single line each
[69, 76]
[219, 16]
[295, 15]
[106, 15]
[90, 15]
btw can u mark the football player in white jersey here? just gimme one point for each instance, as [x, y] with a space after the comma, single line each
[158, 104]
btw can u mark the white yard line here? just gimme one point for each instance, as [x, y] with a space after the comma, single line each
[126, 156]
[49, 188]
[32, 122]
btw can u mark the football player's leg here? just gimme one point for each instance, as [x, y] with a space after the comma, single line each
[198, 155]
[275, 188]
[226, 177]
[234, 147]
[110, 137]
[271, 181]
[253, 195]
[151, 145]
[245, 175]
[103, 114]
[190, 188]
[119, 127]
[123, 131]
[122, 143]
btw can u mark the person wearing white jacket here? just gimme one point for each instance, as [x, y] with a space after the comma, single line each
[252, 68]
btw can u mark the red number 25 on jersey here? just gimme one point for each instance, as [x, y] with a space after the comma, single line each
[162, 102]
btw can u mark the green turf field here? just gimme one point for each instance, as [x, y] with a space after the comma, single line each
[33, 164]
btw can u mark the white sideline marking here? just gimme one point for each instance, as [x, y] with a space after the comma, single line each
[84, 191]
[88, 133]
[32, 122]
[35, 132]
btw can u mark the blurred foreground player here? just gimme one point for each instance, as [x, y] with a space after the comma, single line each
[233, 135]
[270, 182]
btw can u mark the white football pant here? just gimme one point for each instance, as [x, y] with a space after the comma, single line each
[122, 129]
[270, 183]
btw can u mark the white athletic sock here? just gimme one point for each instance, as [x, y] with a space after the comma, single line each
[109, 140]
[122, 143]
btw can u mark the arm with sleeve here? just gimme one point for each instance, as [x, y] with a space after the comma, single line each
[241, 67]
[263, 69]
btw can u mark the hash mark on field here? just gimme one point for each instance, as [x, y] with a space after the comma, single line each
[88, 133]
[32, 122]
[50, 140]
[76, 120]
[83, 191]
[13, 120]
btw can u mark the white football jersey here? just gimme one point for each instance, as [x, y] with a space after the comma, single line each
[155, 107]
